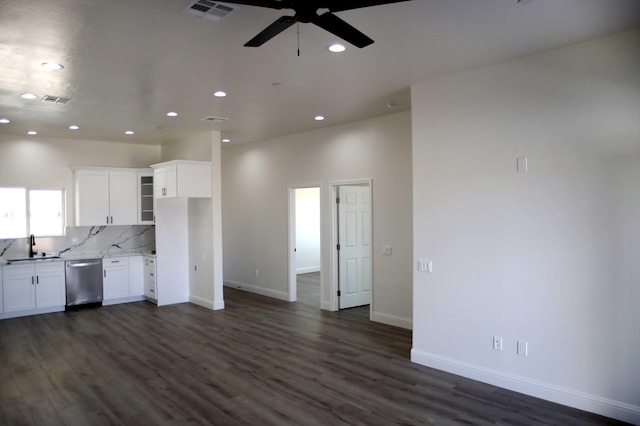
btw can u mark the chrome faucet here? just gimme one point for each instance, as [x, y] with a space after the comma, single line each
[32, 243]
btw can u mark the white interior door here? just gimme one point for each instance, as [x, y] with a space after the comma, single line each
[354, 239]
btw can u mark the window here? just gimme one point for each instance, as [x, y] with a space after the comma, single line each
[31, 211]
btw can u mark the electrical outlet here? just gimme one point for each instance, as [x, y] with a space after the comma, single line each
[497, 343]
[523, 347]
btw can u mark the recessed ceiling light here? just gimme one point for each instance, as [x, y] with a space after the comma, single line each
[220, 94]
[318, 117]
[73, 127]
[4, 121]
[172, 114]
[129, 132]
[52, 66]
[28, 95]
[226, 140]
[32, 132]
[336, 48]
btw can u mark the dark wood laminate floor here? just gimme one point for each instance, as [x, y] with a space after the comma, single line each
[308, 291]
[259, 361]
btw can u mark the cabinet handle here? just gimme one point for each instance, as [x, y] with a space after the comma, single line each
[112, 220]
[37, 279]
[105, 273]
[107, 220]
[32, 282]
[115, 261]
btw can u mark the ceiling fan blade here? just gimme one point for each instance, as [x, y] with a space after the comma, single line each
[339, 6]
[330, 22]
[272, 30]
[271, 4]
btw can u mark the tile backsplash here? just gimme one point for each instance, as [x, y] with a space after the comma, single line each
[87, 240]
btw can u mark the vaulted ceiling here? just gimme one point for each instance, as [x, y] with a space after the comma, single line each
[128, 63]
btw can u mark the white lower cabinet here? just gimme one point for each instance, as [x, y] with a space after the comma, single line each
[33, 286]
[115, 277]
[136, 271]
[122, 278]
[150, 288]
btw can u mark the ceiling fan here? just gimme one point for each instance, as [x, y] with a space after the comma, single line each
[307, 11]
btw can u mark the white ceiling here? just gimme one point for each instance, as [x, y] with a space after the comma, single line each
[127, 63]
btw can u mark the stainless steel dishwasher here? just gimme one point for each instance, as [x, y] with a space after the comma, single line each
[84, 281]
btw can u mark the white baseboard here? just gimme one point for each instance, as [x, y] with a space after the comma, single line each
[392, 320]
[591, 403]
[281, 295]
[17, 314]
[201, 301]
[308, 269]
[122, 300]
[206, 303]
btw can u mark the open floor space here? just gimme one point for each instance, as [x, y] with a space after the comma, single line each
[259, 361]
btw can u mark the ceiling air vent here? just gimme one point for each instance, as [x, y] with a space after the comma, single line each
[56, 100]
[214, 119]
[211, 10]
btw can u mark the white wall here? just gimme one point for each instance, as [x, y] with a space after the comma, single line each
[40, 162]
[549, 256]
[255, 190]
[307, 230]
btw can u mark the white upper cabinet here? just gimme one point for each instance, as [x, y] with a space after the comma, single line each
[123, 197]
[146, 200]
[106, 196]
[184, 179]
[91, 197]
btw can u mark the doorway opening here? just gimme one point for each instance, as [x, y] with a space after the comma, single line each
[305, 260]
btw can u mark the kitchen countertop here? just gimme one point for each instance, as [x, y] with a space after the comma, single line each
[40, 259]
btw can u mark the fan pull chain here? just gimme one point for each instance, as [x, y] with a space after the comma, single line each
[298, 25]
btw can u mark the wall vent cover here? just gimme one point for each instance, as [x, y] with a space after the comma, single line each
[215, 119]
[211, 10]
[56, 100]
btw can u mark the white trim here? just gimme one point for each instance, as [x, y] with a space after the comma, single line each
[281, 295]
[29, 312]
[569, 397]
[120, 300]
[394, 320]
[206, 303]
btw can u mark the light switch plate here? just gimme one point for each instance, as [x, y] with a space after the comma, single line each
[522, 164]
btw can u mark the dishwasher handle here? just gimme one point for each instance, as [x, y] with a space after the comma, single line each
[83, 264]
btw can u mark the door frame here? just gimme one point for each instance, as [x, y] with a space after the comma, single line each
[291, 258]
[334, 259]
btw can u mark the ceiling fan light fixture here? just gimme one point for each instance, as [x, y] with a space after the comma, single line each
[52, 66]
[336, 48]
